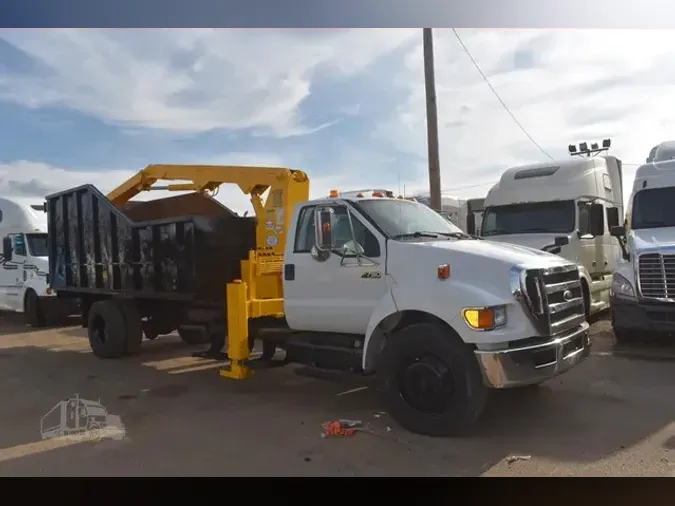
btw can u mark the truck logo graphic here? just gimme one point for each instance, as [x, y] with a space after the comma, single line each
[78, 418]
[567, 295]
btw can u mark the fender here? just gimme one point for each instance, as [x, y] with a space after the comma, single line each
[436, 301]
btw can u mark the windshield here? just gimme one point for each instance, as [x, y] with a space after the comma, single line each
[652, 208]
[398, 218]
[37, 244]
[535, 217]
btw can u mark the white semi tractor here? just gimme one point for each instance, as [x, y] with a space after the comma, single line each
[24, 286]
[643, 285]
[563, 207]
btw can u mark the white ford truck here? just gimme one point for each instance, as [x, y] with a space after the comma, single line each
[444, 316]
[365, 284]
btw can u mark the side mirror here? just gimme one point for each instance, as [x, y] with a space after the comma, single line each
[617, 231]
[561, 241]
[597, 220]
[7, 248]
[323, 222]
[612, 217]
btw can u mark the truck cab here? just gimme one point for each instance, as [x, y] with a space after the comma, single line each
[415, 294]
[564, 207]
[23, 264]
[643, 285]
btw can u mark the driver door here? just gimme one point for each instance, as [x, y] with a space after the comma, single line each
[12, 275]
[336, 292]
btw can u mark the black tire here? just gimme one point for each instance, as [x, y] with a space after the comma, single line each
[194, 336]
[107, 330]
[35, 316]
[134, 326]
[586, 294]
[268, 350]
[428, 351]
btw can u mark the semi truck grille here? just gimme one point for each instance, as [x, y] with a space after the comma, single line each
[656, 275]
[555, 298]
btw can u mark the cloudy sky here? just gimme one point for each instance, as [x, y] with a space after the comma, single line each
[346, 106]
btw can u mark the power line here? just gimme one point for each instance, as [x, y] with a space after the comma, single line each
[506, 108]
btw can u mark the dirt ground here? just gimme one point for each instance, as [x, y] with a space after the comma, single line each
[612, 416]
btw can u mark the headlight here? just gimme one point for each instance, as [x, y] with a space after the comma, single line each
[485, 318]
[621, 286]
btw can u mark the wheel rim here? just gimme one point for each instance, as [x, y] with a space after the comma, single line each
[426, 384]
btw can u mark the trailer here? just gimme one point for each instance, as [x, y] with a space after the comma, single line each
[359, 284]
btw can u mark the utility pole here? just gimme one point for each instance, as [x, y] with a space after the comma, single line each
[432, 121]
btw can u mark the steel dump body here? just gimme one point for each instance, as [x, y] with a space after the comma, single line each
[183, 248]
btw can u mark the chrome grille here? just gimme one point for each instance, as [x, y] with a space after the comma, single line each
[554, 298]
[656, 275]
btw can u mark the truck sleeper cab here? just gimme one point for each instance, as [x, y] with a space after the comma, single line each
[24, 286]
[643, 285]
[371, 286]
[564, 207]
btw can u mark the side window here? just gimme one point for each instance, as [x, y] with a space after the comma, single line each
[305, 238]
[304, 233]
[584, 219]
[19, 245]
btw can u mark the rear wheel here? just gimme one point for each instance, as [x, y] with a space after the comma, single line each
[134, 326]
[107, 330]
[194, 336]
[431, 380]
[35, 315]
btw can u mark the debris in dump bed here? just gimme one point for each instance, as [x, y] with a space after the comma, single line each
[378, 414]
[353, 390]
[342, 428]
[516, 458]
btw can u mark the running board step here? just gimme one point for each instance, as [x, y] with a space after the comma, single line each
[324, 356]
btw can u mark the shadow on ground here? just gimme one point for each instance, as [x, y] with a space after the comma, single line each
[182, 418]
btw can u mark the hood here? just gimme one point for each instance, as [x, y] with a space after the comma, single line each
[651, 238]
[536, 241]
[513, 254]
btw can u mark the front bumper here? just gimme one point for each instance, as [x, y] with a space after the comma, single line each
[642, 315]
[529, 364]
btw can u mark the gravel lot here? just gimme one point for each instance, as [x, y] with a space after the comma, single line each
[612, 416]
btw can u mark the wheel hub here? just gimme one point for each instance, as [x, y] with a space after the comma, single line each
[427, 384]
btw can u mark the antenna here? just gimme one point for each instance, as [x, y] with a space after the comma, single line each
[584, 150]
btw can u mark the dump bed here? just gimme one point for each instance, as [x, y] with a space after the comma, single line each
[185, 247]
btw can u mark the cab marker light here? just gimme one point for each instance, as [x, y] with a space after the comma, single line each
[443, 272]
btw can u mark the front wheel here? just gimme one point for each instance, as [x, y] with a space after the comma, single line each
[431, 380]
[34, 312]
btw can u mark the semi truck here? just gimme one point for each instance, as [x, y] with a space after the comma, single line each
[565, 207]
[643, 284]
[365, 285]
[23, 264]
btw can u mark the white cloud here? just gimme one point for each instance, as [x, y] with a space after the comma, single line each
[582, 85]
[189, 80]
[585, 85]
